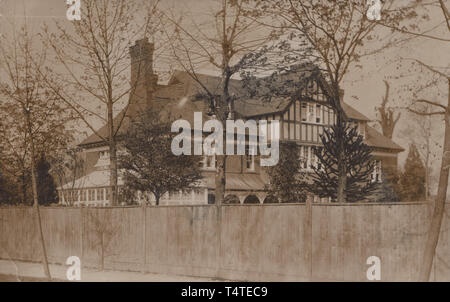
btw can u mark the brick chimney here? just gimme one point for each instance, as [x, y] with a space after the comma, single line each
[142, 76]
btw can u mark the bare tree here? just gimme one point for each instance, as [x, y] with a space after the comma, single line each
[336, 31]
[67, 166]
[95, 59]
[439, 207]
[102, 226]
[420, 132]
[387, 119]
[439, 109]
[32, 110]
[15, 155]
[225, 43]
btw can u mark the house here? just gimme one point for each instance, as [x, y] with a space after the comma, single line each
[301, 120]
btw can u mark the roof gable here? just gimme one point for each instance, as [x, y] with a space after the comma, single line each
[176, 100]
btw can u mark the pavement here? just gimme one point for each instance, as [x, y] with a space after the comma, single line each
[29, 271]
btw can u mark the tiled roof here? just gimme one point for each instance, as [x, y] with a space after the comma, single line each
[175, 100]
[97, 178]
[352, 113]
[252, 107]
[236, 182]
[376, 139]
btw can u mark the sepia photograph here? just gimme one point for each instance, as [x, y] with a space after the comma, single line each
[224, 147]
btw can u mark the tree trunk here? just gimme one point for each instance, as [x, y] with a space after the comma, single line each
[342, 181]
[36, 202]
[24, 187]
[223, 115]
[112, 157]
[220, 179]
[439, 207]
[342, 169]
[427, 173]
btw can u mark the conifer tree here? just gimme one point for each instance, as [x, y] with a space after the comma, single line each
[358, 164]
[45, 183]
[412, 180]
[287, 181]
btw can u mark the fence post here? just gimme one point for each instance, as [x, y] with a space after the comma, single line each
[309, 236]
[144, 234]
[219, 240]
[82, 236]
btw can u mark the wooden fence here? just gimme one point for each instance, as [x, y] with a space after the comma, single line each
[241, 242]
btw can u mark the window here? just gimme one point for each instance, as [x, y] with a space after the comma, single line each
[312, 113]
[304, 155]
[291, 112]
[103, 159]
[376, 174]
[83, 195]
[100, 194]
[291, 130]
[362, 129]
[317, 162]
[107, 193]
[286, 130]
[91, 193]
[211, 198]
[209, 162]
[318, 113]
[249, 159]
[304, 109]
[309, 158]
[315, 136]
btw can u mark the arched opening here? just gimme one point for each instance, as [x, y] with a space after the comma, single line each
[270, 199]
[251, 199]
[231, 199]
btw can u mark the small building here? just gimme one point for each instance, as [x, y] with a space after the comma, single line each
[302, 121]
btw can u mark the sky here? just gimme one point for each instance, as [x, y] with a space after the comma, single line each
[363, 86]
